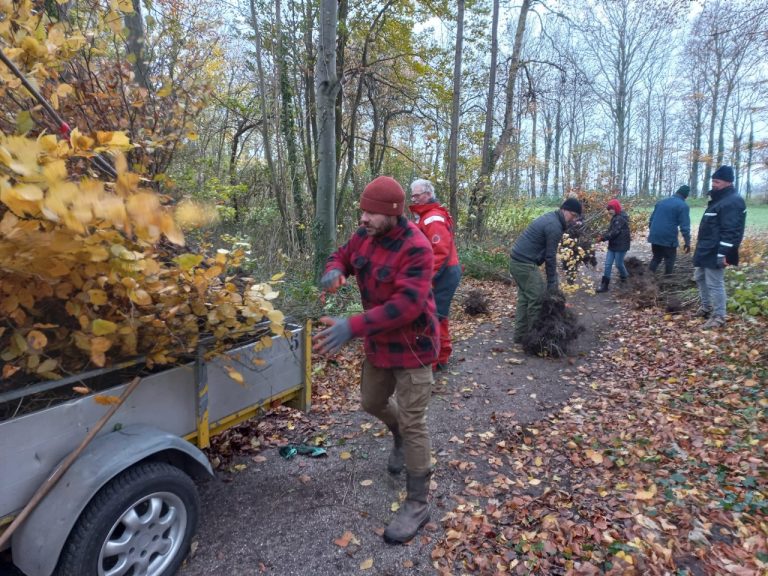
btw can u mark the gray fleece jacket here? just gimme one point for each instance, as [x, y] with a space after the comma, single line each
[538, 243]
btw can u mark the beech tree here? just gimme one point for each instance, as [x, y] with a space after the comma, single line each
[453, 146]
[479, 192]
[622, 40]
[327, 87]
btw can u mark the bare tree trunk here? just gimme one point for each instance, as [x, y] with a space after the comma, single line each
[715, 91]
[571, 158]
[750, 151]
[327, 88]
[558, 155]
[310, 126]
[351, 139]
[646, 169]
[548, 137]
[223, 135]
[342, 37]
[453, 143]
[476, 199]
[698, 130]
[288, 128]
[532, 160]
[621, 127]
[265, 117]
[238, 202]
[490, 102]
[481, 186]
[662, 146]
[134, 24]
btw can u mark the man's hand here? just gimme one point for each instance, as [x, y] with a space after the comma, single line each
[553, 288]
[720, 261]
[330, 340]
[687, 248]
[332, 280]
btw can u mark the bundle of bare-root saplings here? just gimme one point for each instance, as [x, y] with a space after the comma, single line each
[556, 329]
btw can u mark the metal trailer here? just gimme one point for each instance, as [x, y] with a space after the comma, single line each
[128, 504]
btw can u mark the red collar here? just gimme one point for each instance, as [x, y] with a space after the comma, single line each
[422, 209]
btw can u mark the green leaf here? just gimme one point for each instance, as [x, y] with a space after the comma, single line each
[101, 327]
[188, 261]
[678, 477]
[24, 122]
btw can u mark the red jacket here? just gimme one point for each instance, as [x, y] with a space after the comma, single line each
[436, 224]
[394, 274]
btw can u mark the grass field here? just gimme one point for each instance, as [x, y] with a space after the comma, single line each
[757, 215]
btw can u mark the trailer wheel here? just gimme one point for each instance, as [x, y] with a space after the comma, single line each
[139, 524]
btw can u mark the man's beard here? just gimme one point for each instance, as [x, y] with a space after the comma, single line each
[380, 230]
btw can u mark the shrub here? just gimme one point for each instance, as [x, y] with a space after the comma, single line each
[484, 263]
[748, 290]
[510, 218]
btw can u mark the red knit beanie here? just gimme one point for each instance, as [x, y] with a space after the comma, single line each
[383, 195]
[615, 205]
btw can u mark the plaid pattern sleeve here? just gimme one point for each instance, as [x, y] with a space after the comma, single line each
[394, 274]
[340, 260]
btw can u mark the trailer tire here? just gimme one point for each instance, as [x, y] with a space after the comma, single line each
[143, 518]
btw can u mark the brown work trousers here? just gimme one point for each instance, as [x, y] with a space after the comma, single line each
[399, 397]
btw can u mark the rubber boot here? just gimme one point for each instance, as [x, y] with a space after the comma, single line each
[396, 461]
[603, 284]
[414, 512]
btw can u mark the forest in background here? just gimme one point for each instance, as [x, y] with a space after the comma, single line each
[499, 103]
[494, 101]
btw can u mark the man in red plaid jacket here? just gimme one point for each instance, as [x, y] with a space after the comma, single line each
[392, 262]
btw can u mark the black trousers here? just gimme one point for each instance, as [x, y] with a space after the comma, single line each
[666, 253]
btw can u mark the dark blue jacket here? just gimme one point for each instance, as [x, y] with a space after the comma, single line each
[721, 229]
[668, 215]
[618, 234]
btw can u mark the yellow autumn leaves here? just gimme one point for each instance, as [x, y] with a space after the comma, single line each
[37, 185]
[83, 276]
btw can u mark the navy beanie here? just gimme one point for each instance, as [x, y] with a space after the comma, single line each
[724, 173]
[683, 191]
[572, 205]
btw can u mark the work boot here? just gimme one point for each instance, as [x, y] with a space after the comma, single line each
[603, 285]
[414, 512]
[714, 322]
[703, 312]
[396, 461]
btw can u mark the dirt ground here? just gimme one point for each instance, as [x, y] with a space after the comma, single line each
[268, 515]
[282, 516]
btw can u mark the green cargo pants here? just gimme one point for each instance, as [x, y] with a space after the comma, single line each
[530, 292]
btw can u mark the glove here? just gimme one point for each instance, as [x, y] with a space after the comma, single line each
[332, 280]
[553, 288]
[720, 261]
[329, 341]
[687, 248]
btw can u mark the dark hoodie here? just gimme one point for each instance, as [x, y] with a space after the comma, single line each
[618, 235]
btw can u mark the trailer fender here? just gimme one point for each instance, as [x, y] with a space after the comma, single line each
[38, 542]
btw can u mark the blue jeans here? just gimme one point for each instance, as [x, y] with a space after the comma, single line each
[618, 257]
[711, 283]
